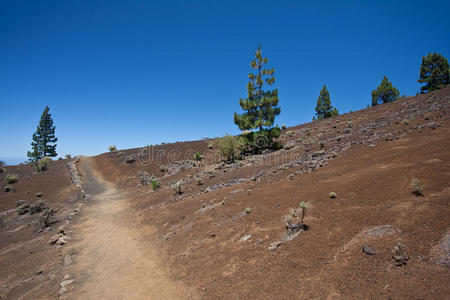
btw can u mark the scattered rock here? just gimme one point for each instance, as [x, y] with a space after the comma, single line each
[213, 235]
[65, 283]
[53, 239]
[400, 255]
[273, 246]
[368, 250]
[246, 237]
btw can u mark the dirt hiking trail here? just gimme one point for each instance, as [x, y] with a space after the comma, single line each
[112, 258]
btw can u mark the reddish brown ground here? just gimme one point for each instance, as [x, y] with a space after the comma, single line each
[193, 241]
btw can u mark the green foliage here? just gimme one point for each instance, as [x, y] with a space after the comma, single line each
[248, 210]
[384, 93]
[230, 147]
[155, 185]
[434, 72]
[42, 164]
[68, 156]
[2, 163]
[43, 138]
[261, 103]
[8, 188]
[198, 156]
[416, 186]
[11, 178]
[324, 109]
[304, 207]
[112, 148]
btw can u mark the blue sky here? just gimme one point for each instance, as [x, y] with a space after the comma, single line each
[133, 73]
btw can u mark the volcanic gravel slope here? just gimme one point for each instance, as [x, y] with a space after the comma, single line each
[224, 236]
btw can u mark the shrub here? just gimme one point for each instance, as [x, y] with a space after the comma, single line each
[416, 186]
[199, 181]
[283, 127]
[248, 210]
[155, 185]
[198, 156]
[304, 207]
[332, 195]
[112, 148]
[2, 163]
[47, 217]
[42, 164]
[12, 178]
[230, 147]
[8, 188]
[2, 170]
[176, 186]
[23, 209]
[68, 156]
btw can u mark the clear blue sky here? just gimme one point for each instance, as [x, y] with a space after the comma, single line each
[133, 73]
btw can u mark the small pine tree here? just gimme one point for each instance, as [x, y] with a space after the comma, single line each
[324, 109]
[261, 103]
[384, 93]
[434, 72]
[43, 138]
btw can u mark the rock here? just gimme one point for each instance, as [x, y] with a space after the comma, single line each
[62, 290]
[368, 250]
[273, 246]
[246, 237]
[259, 241]
[400, 255]
[213, 235]
[65, 283]
[332, 195]
[67, 261]
[54, 239]
[23, 209]
[371, 146]
[39, 194]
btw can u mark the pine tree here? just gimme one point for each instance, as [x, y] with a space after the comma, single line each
[434, 72]
[323, 107]
[384, 93]
[261, 102]
[43, 138]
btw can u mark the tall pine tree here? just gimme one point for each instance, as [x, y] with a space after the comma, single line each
[323, 107]
[43, 138]
[434, 72]
[384, 93]
[261, 104]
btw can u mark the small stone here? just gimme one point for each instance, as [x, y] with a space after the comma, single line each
[259, 241]
[212, 235]
[368, 250]
[246, 237]
[65, 283]
[54, 239]
[372, 146]
[275, 245]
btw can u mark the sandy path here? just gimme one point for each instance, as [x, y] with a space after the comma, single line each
[112, 260]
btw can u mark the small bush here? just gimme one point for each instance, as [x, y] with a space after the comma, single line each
[416, 186]
[112, 148]
[42, 164]
[8, 188]
[2, 163]
[47, 217]
[283, 127]
[199, 181]
[304, 207]
[332, 195]
[155, 185]
[23, 209]
[230, 147]
[248, 210]
[177, 187]
[68, 156]
[12, 178]
[2, 170]
[198, 156]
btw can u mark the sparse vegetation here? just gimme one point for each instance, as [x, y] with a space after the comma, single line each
[2, 163]
[2, 170]
[434, 72]
[155, 185]
[304, 207]
[143, 177]
[68, 156]
[8, 188]
[11, 178]
[129, 159]
[23, 209]
[248, 210]
[199, 181]
[112, 148]
[47, 217]
[198, 156]
[324, 109]
[332, 195]
[384, 93]
[416, 186]
[176, 186]
[230, 147]
[43, 163]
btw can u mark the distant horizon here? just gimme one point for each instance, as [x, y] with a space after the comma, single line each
[140, 73]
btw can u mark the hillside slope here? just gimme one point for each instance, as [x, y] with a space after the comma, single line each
[368, 158]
